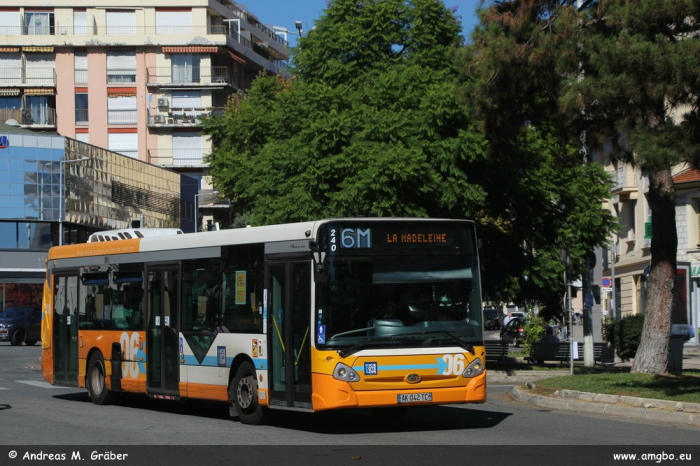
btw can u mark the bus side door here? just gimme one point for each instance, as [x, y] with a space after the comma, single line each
[289, 338]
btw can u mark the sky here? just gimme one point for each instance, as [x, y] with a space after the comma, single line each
[285, 12]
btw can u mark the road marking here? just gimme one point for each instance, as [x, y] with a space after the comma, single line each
[38, 383]
[3, 388]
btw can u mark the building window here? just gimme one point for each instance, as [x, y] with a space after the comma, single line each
[10, 23]
[81, 108]
[80, 26]
[121, 67]
[38, 23]
[125, 144]
[121, 108]
[121, 22]
[81, 67]
[83, 137]
[185, 67]
[173, 22]
[40, 69]
[187, 149]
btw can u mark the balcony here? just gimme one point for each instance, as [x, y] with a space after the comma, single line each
[623, 181]
[28, 76]
[31, 117]
[253, 21]
[178, 157]
[122, 117]
[188, 76]
[81, 117]
[183, 117]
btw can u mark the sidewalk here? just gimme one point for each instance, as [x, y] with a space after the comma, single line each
[625, 407]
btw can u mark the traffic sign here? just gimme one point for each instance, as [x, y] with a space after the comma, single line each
[605, 282]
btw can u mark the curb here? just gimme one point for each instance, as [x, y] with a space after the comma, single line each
[515, 377]
[642, 412]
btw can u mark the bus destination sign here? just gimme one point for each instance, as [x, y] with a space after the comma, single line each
[392, 236]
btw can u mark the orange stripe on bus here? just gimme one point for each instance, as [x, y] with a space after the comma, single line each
[126, 246]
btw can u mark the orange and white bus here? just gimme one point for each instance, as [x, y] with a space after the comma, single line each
[341, 313]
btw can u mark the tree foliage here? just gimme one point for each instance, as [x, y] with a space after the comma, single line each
[542, 196]
[368, 126]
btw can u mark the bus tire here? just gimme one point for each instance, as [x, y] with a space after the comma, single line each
[243, 396]
[17, 337]
[96, 374]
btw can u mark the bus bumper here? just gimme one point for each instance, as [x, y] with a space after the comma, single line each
[329, 393]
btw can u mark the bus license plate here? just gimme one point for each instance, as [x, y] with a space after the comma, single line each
[415, 397]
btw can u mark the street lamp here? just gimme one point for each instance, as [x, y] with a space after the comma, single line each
[196, 205]
[62, 195]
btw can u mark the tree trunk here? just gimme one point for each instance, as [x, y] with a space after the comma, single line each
[652, 355]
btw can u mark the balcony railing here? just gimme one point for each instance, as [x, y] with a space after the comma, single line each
[121, 76]
[188, 75]
[184, 116]
[81, 117]
[623, 179]
[122, 117]
[178, 157]
[27, 76]
[254, 21]
[139, 30]
[35, 116]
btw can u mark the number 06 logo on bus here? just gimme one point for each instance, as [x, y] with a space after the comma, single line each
[133, 356]
[451, 364]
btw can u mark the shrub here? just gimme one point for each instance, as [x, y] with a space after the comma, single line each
[533, 330]
[624, 334]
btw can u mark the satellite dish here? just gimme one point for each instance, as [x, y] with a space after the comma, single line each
[12, 122]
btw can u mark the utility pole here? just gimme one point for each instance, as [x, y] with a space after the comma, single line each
[588, 359]
[568, 312]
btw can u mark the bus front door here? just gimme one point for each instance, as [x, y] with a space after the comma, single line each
[289, 308]
[65, 330]
[162, 342]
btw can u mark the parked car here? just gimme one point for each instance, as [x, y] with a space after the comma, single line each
[20, 324]
[491, 318]
[514, 331]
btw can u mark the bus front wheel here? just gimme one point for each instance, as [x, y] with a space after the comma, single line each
[243, 396]
[96, 380]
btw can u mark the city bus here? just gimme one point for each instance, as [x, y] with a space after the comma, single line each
[376, 313]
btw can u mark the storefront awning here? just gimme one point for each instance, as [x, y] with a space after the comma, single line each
[236, 58]
[9, 92]
[39, 91]
[191, 49]
[37, 49]
[9, 49]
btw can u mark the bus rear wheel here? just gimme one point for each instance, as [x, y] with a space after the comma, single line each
[243, 396]
[96, 374]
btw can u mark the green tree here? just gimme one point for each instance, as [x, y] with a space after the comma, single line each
[368, 126]
[542, 195]
[642, 68]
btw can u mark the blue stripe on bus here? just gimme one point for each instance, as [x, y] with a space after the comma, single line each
[441, 367]
[212, 361]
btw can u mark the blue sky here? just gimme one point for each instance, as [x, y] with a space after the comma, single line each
[285, 12]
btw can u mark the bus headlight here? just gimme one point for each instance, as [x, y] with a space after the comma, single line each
[345, 373]
[473, 369]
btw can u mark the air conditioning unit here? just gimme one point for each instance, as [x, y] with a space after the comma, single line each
[158, 119]
[162, 102]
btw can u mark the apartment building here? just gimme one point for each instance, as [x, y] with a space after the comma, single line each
[629, 251]
[132, 77]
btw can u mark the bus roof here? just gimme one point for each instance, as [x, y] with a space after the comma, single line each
[249, 235]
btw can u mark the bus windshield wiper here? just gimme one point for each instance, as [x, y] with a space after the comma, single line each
[363, 344]
[467, 346]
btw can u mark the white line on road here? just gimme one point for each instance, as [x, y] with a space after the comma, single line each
[38, 383]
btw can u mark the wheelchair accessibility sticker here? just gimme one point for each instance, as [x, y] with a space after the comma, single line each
[321, 334]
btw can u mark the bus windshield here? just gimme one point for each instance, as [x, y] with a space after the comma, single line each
[378, 301]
